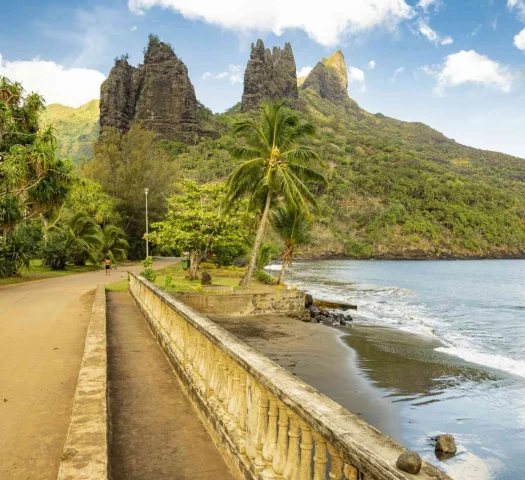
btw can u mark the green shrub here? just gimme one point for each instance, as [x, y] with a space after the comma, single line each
[148, 273]
[264, 277]
[54, 252]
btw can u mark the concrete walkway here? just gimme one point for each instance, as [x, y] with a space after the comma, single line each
[155, 432]
[42, 333]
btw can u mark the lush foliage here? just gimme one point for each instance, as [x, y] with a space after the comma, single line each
[198, 223]
[274, 168]
[76, 129]
[294, 228]
[148, 273]
[126, 164]
[268, 252]
[264, 277]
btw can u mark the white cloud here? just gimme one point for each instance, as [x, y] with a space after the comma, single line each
[476, 30]
[396, 74]
[371, 65]
[134, 28]
[519, 6]
[470, 67]
[356, 75]
[426, 4]
[326, 25]
[233, 74]
[519, 40]
[304, 72]
[425, 30]
[431, 35]
[72, 87]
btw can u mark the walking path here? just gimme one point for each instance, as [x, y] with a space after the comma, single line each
[155, 432]
[42, 333]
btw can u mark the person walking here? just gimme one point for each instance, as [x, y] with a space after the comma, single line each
[107, 262]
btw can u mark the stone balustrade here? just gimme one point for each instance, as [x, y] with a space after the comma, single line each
[269, 423]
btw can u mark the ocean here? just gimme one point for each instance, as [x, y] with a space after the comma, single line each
[444, 343]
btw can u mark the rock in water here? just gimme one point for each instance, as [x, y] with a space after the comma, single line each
[409, 462]
[446, 444]
[205, 278]
[269, 75]
[329, 78]
[158, 93]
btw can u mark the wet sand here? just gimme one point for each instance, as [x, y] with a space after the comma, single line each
[397, 382]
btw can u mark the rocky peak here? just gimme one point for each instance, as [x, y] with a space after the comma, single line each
[329, 78]
[159, 94]
[269, 75]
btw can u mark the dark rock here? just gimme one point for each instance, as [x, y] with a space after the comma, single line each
[329, 78]
[446, 444]
[269, 75]
[409, 462]
[159, 94]
[309, 300]
[205, 278]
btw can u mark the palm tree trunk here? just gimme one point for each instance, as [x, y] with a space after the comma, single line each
[281, 276]
[194, 266]
[247, 278]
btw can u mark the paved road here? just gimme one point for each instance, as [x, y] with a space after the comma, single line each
[155, 432]
[42, 333]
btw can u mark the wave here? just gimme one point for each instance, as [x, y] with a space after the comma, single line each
[499, 362]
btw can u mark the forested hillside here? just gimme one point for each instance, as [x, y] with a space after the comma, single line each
[396, 189]
[76, 128]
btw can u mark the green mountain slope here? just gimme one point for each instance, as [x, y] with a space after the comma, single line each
[397, 189]
[76, 128]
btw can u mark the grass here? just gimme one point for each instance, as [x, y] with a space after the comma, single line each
[229, 276]
[38, 271]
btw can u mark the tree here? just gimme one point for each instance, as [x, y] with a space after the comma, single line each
[114, 244]
[274, 167]
[198, 223]
[125, 164]
[87, 196]
[32, 180]
[293, 226]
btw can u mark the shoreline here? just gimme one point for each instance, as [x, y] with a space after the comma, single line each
[396, 381]
[415, 258]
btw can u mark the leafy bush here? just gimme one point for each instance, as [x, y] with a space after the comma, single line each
[148, 273]
[267, 253]
[15, 254]
[264, 277]
[54, 251]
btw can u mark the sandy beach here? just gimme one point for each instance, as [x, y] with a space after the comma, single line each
[394, 380]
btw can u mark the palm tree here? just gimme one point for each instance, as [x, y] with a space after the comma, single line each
[114, 244]
[274, 167]
[82, 238]
[293, 226]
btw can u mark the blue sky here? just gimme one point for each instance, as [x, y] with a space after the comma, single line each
[455, 65]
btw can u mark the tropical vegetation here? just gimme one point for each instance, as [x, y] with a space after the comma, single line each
[275, 168]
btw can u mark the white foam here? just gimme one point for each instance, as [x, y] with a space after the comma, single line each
[499, 362]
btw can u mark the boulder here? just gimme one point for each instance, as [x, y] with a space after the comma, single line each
[205, 278]
[309, 300]
[445, 444]
[409, 462]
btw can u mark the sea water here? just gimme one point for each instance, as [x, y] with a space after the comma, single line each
[472, 383]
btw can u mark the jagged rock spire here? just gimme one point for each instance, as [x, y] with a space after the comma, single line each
[329, 78]
[158, 93]
[269, 75]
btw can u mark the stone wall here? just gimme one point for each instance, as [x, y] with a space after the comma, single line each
[270, 424]
[285, 302]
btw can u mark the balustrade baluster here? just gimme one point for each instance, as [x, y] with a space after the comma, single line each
[320, 458]
[336, 460]
[281, 449]
[270, 439]
[291, 469]
[351, 473]
[262, 427]
[305, 470]
[251, 418]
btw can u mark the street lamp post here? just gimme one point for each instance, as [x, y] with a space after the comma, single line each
[146, 191]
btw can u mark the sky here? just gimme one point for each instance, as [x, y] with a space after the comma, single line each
[456, 65]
